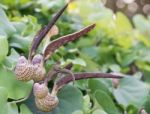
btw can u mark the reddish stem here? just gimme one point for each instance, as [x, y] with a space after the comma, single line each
[79, 76]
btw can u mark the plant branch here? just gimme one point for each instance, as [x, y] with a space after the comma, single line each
[53, 72]
[79, 76]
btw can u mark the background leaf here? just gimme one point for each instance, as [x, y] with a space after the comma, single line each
[131, 91]
[16, 89]
[106, 102]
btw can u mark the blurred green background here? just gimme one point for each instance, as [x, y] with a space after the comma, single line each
[120, 43]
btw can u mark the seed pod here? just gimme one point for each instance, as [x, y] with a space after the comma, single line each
[47, 103]
[23, 70]
[39, 73]
[39, 69]
[40, 90]
[37, 59]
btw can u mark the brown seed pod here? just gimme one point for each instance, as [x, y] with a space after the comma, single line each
[37, 59]
[39, 69]
[39, 73]
[40, 90]
[47, 103]
[23, 70]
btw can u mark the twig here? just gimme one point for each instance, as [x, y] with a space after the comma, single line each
[53, 72]
[79, 76]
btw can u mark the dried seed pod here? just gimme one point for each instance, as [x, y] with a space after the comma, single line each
[39, 69]
[47, 103]
[23, 70]
[37, 59]
[39, 73]
[40, 90]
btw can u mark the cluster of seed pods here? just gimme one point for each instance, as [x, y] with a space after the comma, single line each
[26, 70]
[44, 100]
[33, 67]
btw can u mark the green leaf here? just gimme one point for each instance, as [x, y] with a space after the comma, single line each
[77, 61]
[131, 91]
[6, 108]
[3, 99]
[3, 47]
[78, 112]
[6, 27]
[86, 104]
[99, 112]
[20, 42]
[106, 102]
[70, 100]
[147, 104]
[95, 84]
[115, 68]
[131, 109]
[11, 109]
[122, 22]
[142, 24]
[16, 89]
[24, 109]
[12, 59]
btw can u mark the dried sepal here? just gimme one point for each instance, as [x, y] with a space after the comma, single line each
[65, 39]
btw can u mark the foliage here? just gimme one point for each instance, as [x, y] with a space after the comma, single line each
[116, 45]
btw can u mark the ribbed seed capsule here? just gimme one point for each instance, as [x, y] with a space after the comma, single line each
[47, 103]
[40, 90]
[39, 69]
[37, 59]
[39, 73]
[23, 70]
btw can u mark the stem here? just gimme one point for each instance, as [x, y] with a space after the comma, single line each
[53, 72]
[79, 76]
